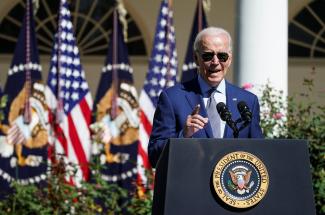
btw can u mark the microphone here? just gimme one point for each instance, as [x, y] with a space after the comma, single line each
[225, 115]
[244, 111]
[223, 111]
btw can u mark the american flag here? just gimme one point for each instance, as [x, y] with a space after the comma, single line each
[189, 69]
[161, 74]
[23, 156]
[117, 111]
[69, 100]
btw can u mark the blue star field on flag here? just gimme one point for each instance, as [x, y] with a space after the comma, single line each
[73, 86]
[162, 71]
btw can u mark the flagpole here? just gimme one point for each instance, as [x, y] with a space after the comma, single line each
[27, 111]
[59, 109]
[199, 15]
[114, 64]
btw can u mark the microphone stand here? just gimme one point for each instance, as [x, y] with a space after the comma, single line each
[235, 129]
[233, 126]
[235, 133]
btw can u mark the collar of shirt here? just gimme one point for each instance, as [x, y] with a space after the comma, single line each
[205, 87]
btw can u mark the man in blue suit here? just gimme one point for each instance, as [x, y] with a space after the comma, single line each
[182, 110]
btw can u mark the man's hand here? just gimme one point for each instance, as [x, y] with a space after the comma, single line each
[194, 122]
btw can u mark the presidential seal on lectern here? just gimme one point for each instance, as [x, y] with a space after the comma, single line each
[240, 179]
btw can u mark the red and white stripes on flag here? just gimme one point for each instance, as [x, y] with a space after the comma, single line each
[69, 100]
[147, 111]
[161, 74]
[71, 136]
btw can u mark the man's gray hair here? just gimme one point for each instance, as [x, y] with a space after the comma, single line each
[211, 31]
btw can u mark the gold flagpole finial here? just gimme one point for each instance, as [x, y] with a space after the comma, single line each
[206, 5]
[122, 12]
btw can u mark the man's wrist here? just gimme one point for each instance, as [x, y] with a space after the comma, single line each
[182, 134]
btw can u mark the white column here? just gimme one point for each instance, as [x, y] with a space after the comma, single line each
[261, 53]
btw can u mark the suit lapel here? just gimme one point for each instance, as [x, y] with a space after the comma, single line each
[194, 98]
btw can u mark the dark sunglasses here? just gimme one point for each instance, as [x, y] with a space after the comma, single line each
[208, 56]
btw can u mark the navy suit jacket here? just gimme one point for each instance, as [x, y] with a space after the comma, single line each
[177, 102]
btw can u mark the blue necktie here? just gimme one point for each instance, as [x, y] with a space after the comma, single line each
[213, 115]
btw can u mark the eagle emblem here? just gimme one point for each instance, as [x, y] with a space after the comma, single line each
[240, 179]
[19, 134]
[119, 131]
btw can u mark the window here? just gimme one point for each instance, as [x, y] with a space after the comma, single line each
[307, 32]
[92, 20]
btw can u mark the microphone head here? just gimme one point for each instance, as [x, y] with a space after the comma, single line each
[223, 111]
[244, 111]
[221, 106]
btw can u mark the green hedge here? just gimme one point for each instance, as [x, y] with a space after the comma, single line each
[299, 117]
